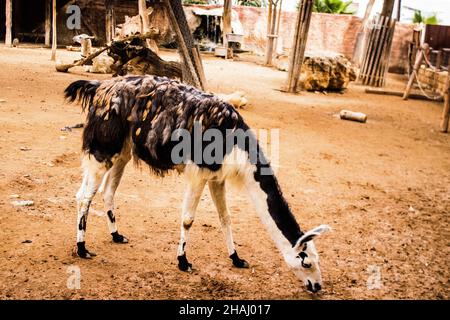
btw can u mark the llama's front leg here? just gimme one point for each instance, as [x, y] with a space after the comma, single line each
[112, 182]
[217, 190]
[93, 175]
[191, 199]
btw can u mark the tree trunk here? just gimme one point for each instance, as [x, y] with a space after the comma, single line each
[48, 22]
[8, 23]
[271, 35]
[227, 7]
[54, 45]
[388, 8]
[145, 24]
[269, 17]
[298, 45]
[192, 66]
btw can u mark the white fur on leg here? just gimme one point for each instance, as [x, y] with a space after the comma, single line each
[217, 190]
[93, 175]
[191, 198]
[110, 184]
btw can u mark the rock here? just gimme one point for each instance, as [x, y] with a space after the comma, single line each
[27, 241]
[2, 100]
[236, 99]
[322, 70]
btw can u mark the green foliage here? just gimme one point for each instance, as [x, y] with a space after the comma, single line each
[419, 17]
[249, 3]
[332, 6]
[195, 2]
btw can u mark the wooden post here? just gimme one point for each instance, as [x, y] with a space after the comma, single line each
[299, 45]
[54, 38]
[271, 36]
[446, 110]
[48, 22]
[388, 8]
[145, 25]
[227, 7]
[437, 68]
[375, 61]
[8, 23]
[361, 37]
[109, 20]
[277, 31]
[417, 64]
[269, 16]
[399, 9]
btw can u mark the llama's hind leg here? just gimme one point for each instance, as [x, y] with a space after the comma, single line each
[112, 181]
[190, 203]
[93, 175]
[217, 190]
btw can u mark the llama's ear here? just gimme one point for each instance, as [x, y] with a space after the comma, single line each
[311, 234]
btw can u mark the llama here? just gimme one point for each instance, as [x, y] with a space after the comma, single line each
[136, 116]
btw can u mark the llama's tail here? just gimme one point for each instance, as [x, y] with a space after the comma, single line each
[82, 90]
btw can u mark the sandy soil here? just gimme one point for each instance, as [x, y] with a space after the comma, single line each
[383, 186]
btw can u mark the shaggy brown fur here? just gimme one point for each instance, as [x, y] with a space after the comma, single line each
[149, 109]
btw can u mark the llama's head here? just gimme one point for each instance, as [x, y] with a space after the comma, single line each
[305, 262]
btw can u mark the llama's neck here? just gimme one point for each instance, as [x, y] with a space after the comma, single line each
[273, 208]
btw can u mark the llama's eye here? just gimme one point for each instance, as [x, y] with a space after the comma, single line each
[303, 255]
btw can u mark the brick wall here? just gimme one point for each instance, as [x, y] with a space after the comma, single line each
[328, 32]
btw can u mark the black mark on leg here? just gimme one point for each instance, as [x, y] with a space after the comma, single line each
[237, 262]
[118, 238]
[82, 224]
[183, 263]
[111, 216]
[83, 252]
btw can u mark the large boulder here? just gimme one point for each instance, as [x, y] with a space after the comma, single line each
[322, 71]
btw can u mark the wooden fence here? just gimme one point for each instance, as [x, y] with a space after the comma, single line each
[376, 54]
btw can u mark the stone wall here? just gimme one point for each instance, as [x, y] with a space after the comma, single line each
[429, 79]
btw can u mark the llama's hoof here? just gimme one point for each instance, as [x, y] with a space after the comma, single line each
[238, 262]
[118, 238]
[183, 264]
[82, 252]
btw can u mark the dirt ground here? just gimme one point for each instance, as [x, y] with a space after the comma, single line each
[383, 186]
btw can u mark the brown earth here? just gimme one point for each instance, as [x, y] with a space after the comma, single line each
[383, 187]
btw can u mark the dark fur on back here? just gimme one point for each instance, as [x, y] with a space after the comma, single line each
[147, 109]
